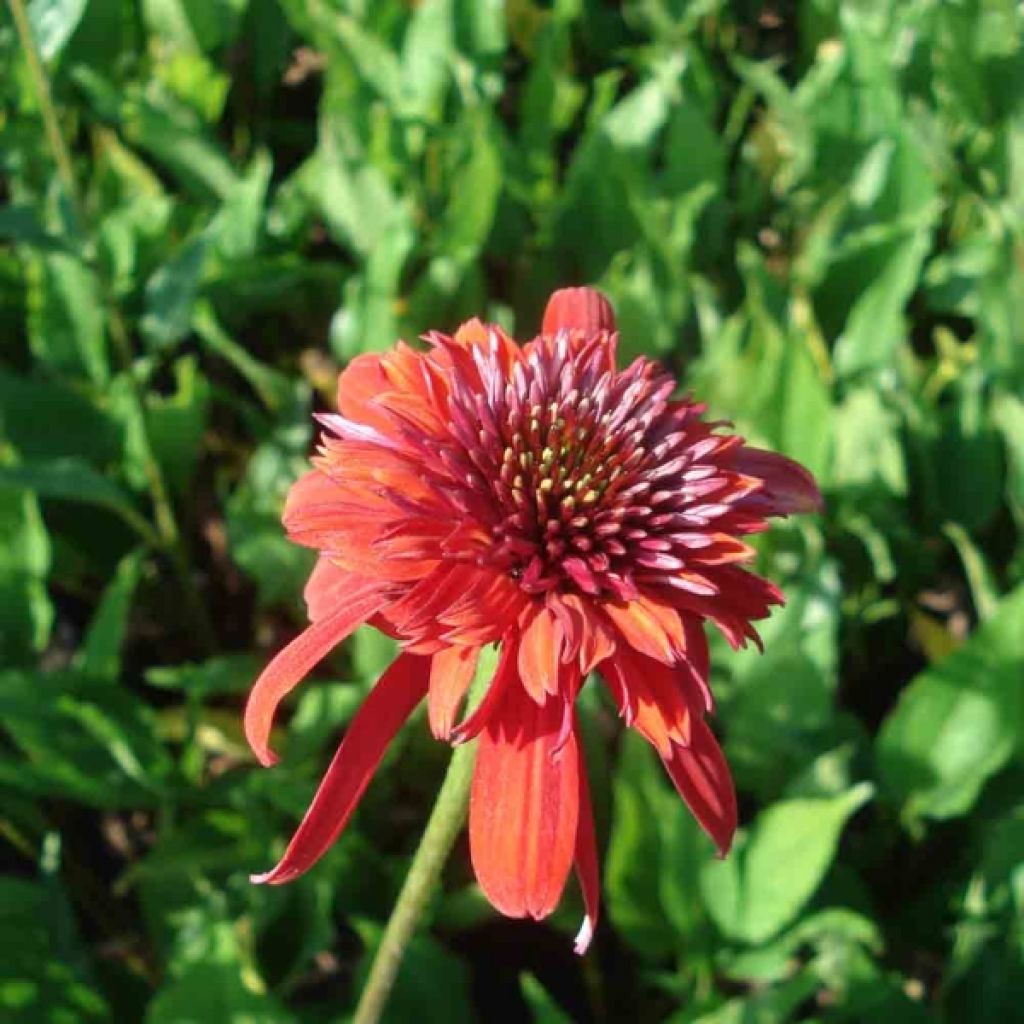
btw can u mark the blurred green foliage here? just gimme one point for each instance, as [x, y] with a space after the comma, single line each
[813, 210]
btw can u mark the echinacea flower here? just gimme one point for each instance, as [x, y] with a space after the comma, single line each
[537, 498]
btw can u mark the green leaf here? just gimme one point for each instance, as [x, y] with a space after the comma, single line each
[40, 978]
[73, 479]
[427, 56]
[632, 877]
[100, 654]
[543, 1007]
[765, 882]
[25, 611]
[255, 536]
[228, 673]
[75, 422]
[66, 324]
[20, 224]
[432, 985]
[92, 743]
[212, 979]
[277, 391]
[53, 23]
[176, 423]
[958, 722]
[171, 294]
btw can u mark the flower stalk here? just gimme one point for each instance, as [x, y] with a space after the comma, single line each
[445, 823]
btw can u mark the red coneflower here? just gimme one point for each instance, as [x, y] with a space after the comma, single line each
[538, 498]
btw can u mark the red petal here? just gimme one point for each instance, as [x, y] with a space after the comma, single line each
[504, 677]
[451, 672]
[581, 308]
[328, 588]
[701, 775]
[788, 487]
[524, 806]
[388, 705]
[290, 666]
[540, 653]
[587, 870]
[653, 698]
[650, 627]
[358, 385]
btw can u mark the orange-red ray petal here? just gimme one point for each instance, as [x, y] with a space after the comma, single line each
[290, 665]
[584, 309]
[587, 870]
[701, 775]
[653, 698]
[524, 806]
[451, 672]
[328, 587]
[540, 653]
[381, 715]
[650, 627]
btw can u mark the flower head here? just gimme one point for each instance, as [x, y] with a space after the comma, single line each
[538, 498]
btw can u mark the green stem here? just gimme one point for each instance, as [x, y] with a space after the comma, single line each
[171, 542]
[167, 532]
[51, 124]
[446, 821]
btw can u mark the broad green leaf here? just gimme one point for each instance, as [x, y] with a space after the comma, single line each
[20, 224]
[100, 655]
[53, 23]
[868, 452]
[236, 228]
[632, 876]
[26, 614]
[255, 536]
[427, 58]
[432, 985]
[72, 479]
[66, 323]
[765, 882]
[958, 722]
[212, 979]
[228, 673]
[41, 979]
[171, 294]
[543, 1007]
[81, 740]
[277, 392]
[176, 423]
[1008, 415]
[46, 419]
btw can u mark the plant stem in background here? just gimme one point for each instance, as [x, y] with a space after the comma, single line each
[51, 124]
[167, 531]
[446, 820]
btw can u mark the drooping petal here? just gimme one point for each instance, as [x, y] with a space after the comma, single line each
[327, 588]
[788, 487]
[451, 672]
[583, 309]
[649, 626]
[653, 698]
[505, 676]
[291, 665]
[376, 722]
[587, 870]
[524, 806]
[540, 652]
[701, 775]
